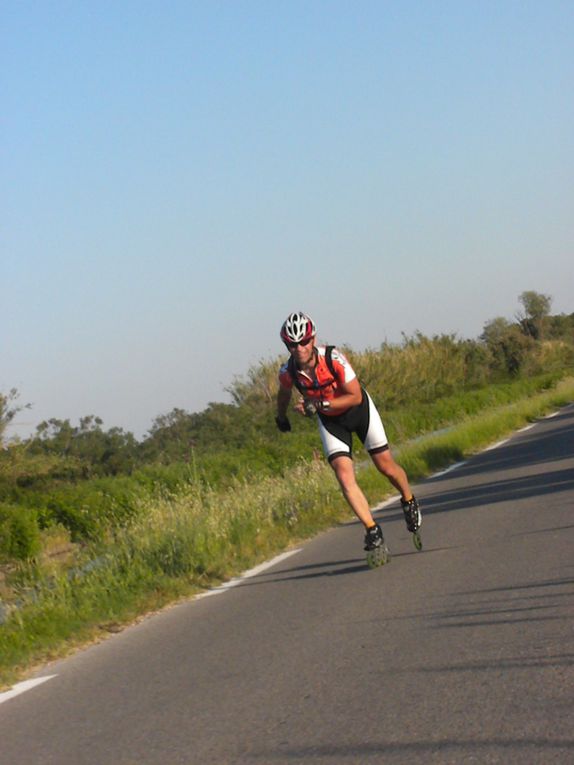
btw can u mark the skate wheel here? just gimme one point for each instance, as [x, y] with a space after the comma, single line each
[378, 557]
[417, 540]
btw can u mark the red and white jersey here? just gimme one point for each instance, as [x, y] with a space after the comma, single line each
[321, 385]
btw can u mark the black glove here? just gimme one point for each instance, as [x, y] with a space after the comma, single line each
[283, 424]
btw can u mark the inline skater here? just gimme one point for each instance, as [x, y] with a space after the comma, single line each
[329, 388]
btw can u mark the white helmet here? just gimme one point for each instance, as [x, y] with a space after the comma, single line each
[297, 328]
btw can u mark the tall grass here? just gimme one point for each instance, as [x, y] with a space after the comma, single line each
[421, 369]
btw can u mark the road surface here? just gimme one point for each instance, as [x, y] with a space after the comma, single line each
[463, 653]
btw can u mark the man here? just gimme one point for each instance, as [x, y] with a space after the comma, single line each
[329, 388]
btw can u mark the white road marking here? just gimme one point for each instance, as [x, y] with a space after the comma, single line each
[488, 448]
[448, 469]
[248, 574]
[496, 445]
[25, 685]
[386, 503]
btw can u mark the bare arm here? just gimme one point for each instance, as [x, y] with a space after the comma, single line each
[351, 395]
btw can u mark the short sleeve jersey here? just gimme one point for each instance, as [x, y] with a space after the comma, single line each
[322, 385]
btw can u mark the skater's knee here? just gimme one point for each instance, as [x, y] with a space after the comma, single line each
[345, 472]
[347, 481]
[385, 463]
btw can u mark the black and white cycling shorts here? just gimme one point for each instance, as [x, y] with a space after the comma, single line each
[363, 419]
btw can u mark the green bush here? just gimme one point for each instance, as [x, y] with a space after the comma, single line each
[19, 533]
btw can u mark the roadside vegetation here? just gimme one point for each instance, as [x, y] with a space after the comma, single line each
[98, 528]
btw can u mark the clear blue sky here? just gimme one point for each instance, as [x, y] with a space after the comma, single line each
[177, 177]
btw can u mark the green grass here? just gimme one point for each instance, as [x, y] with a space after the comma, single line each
[180, 542]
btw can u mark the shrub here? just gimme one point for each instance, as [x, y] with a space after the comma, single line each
[19, 533]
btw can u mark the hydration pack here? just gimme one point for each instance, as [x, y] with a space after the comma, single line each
[291, 368]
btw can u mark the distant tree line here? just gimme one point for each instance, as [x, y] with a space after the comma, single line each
[533, 341]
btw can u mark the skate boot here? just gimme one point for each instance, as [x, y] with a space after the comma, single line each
[375, 546]
[413, 519]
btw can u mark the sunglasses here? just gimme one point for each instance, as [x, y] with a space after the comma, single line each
[292, 346]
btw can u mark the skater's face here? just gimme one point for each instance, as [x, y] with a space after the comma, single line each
[302, 352]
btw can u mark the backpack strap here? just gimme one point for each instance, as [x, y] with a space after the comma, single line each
[329, 359]
[331, 367]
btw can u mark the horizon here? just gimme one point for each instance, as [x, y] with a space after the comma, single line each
[279, 359]
[177, 180]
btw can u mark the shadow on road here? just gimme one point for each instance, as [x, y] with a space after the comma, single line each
[328, 568]
[539, 484]
[530, 586]
[361, 751]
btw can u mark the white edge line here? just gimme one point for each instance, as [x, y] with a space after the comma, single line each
[386, 503]
[488, 448]
[448, 469]
[247, 574]
[27, 685]
[497, 444]
[22, 687]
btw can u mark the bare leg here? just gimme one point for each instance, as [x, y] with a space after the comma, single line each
[386, 464]
[345, 472]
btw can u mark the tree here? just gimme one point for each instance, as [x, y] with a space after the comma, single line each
[8, 410]
[536, 309]
[171, 437]
[100, 452]
[561, 327]
[507, 344]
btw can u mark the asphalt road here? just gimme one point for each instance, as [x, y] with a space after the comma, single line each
[463, 653]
